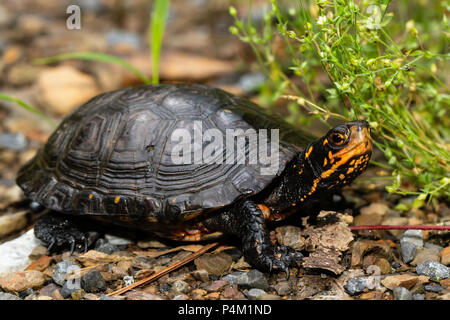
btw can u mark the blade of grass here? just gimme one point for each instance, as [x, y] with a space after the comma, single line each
[94, 56]
[157, 25]
[27, 107]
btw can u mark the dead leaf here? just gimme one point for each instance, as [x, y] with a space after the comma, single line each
[93, 257]
[157, 253]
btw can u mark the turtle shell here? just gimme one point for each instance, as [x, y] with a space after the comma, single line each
[112, 155]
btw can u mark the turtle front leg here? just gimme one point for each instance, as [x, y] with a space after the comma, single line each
[246, 221]
[59, 231]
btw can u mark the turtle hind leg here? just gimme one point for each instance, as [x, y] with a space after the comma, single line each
[246, 221]
[60, 231]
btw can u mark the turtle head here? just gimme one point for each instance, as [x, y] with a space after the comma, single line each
[339, 157]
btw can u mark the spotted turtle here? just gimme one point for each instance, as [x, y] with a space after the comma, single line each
[115, 159]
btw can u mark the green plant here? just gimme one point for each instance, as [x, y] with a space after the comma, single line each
[157, 25]
[387, 71]
[26, 106]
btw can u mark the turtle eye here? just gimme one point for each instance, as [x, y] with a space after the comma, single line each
[337, 138]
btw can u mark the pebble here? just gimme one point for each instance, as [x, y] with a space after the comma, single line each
[26, 293]
[70, 286]
[418, 296]
[118, 241]
[14, 254]
[22, 280]
[408, 250]
[217, 285]
[49, 289]
[402, 280]
[401, 293]
[93, 282]
[13, 141]
[355, 285]
[254, 293]
[252, 279]
[424, 254]
[179, 287]
[200, 275]
[375, 207]
[283, 288]
[433, 288]
[445, 256]
[181, 297]
[62, 269]
[290, 236]
[232, 292]
[12, 222]
[8, 296]
[106, 247]
[214, 263]
[198, 294]
[78, 294]
[435, 270]
[413, 236]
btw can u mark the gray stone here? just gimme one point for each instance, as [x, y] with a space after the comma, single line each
[401, 293]
[106, 247]
[201, 275]
[355, 285]
[435, 270]
[409, 251]
[413, 236]
[70, 287]
[418, 296]
[13, 141]
[93, 282]
[8, 296]
[254, 293]
[252, 279]
[433, 288]
[61, 270]
[179, 287]
[283, 288]
[118, 241]
[232, 277]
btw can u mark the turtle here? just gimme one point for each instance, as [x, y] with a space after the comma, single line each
[149, 158]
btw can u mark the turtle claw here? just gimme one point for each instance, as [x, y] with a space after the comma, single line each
[72, 245]
[63, 232]
[52, 243]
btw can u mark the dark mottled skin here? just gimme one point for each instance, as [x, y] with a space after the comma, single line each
[108, 161]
